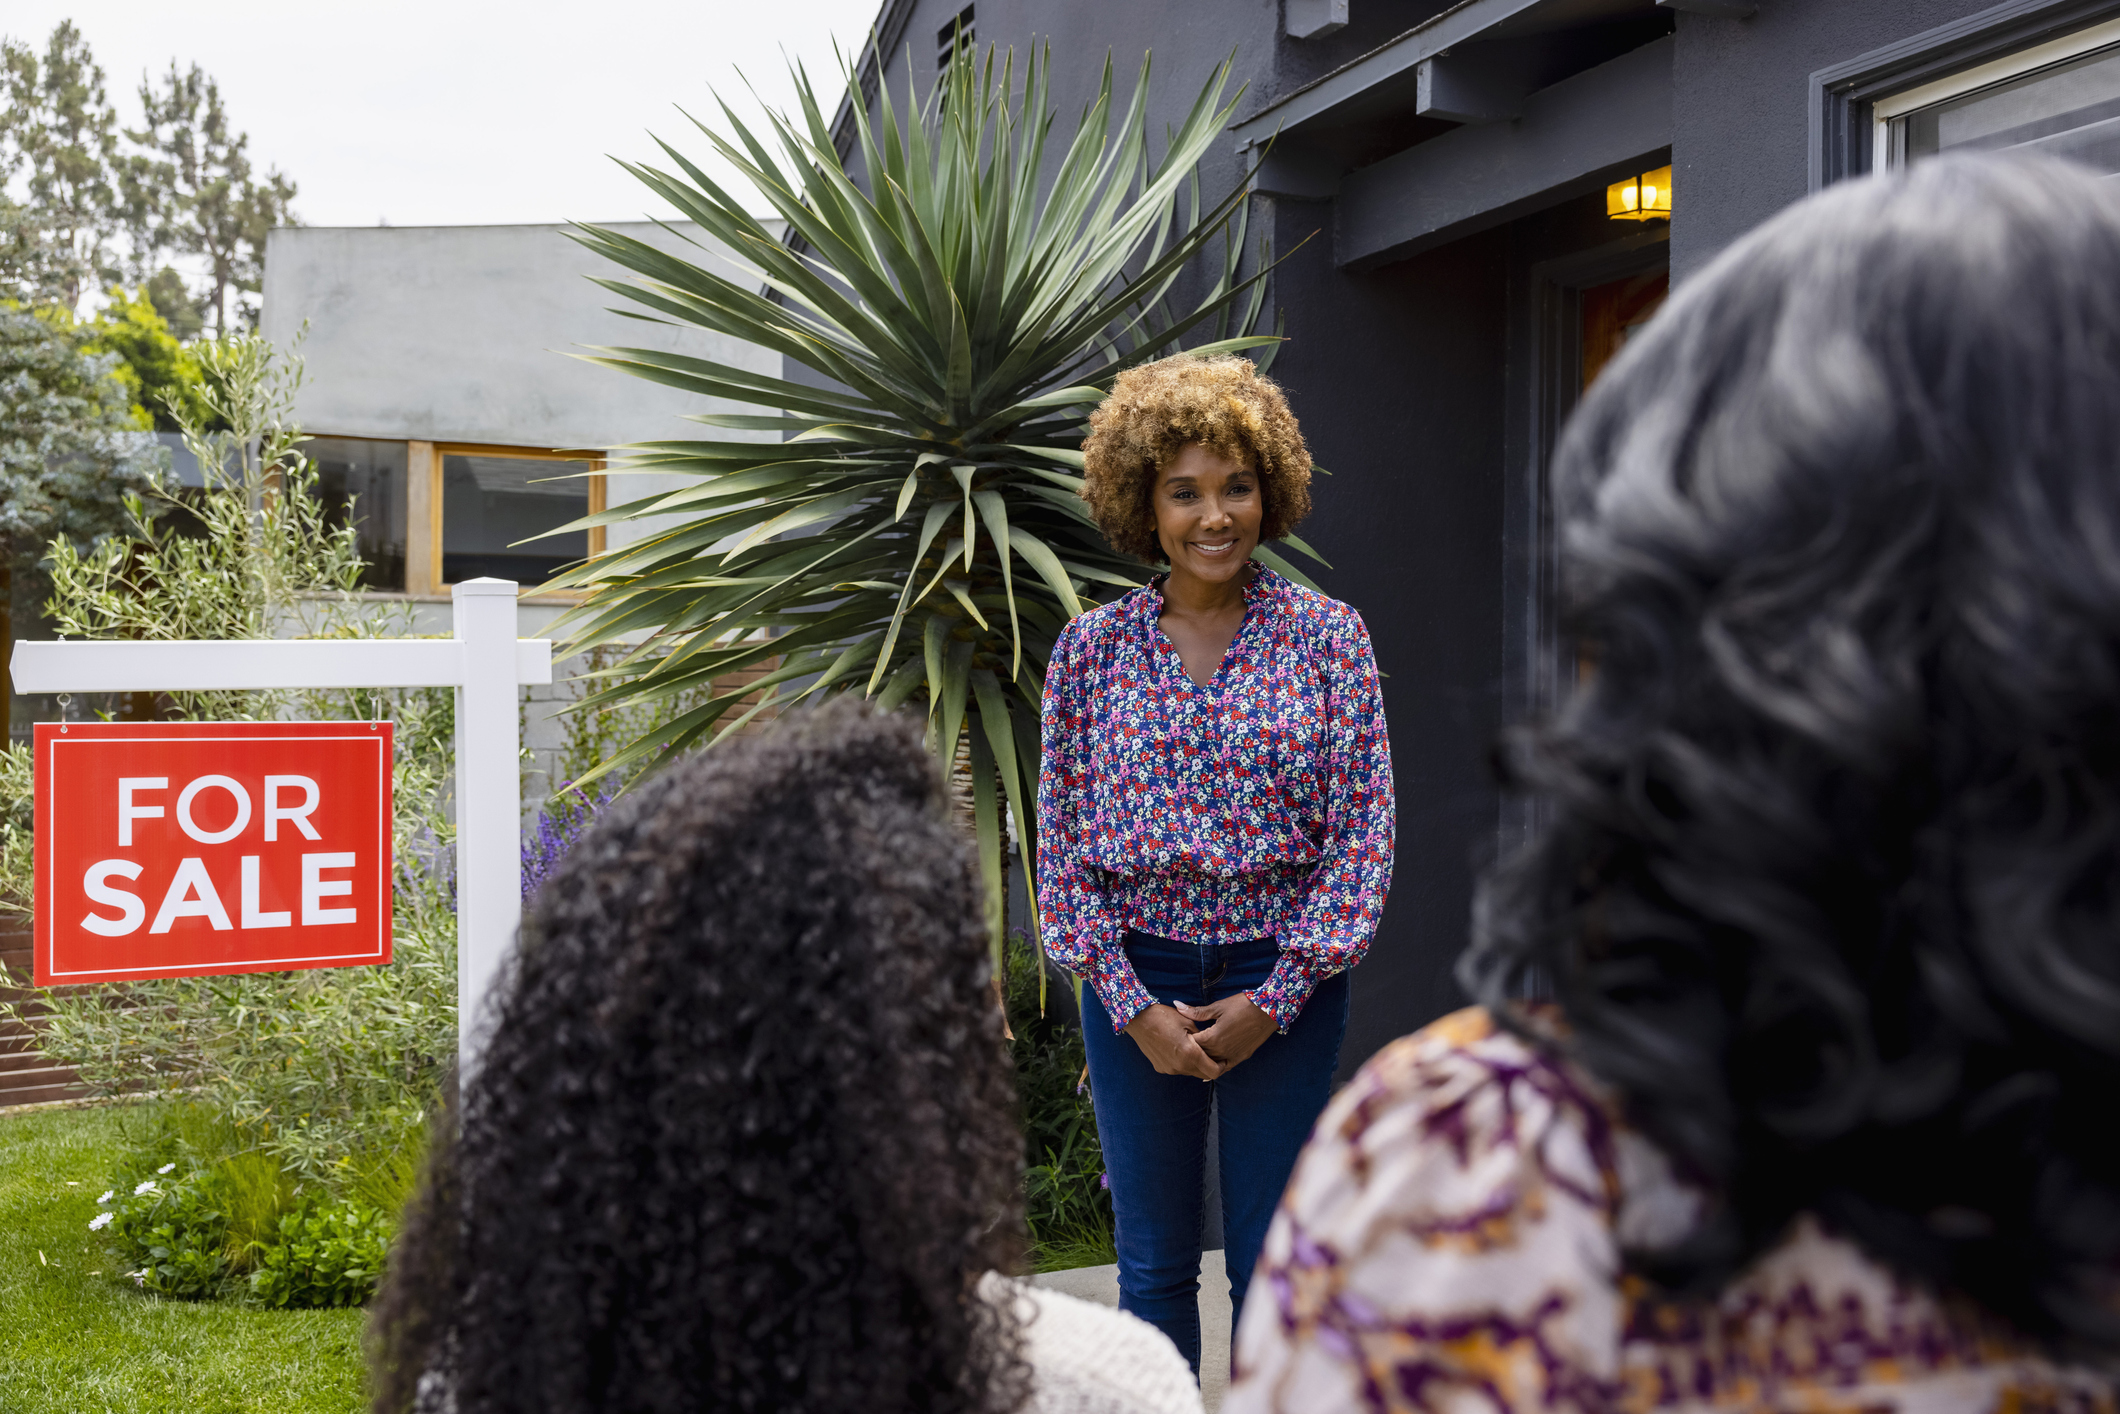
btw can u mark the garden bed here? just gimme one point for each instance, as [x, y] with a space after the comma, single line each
[1065, 1199]
[74, 1335]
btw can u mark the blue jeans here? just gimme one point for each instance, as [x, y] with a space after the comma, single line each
[1154, 1128]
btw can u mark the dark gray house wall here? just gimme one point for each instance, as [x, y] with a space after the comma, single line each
[1186, 40]
[1437, 192]
[1740, 106]
[1397, 376]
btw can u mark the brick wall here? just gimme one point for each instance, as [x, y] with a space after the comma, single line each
[26, 1077]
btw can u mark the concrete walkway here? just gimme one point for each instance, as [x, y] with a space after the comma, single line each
[1102, 1284]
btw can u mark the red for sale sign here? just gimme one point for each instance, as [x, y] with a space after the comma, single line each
[186, 849]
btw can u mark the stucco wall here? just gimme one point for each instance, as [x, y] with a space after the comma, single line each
[1397, 376]
[1740, 107]
[462, 334]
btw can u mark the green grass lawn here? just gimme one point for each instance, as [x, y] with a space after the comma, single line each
[74, 1339]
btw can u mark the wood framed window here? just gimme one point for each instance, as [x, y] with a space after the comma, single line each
[476, 504]
[361, 481]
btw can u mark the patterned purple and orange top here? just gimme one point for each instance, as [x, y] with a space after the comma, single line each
[1451, 1241]
[1258, 806]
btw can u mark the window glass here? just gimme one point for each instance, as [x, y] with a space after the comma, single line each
[362, 480]
[2067, 110]
[489, 503]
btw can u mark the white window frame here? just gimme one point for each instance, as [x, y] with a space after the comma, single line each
[1886, 154]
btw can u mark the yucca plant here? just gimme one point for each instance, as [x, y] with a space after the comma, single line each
[917, 535]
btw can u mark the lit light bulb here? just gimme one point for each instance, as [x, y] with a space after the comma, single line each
[1644, 197]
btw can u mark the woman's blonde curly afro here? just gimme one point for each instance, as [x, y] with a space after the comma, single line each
[1222, 403]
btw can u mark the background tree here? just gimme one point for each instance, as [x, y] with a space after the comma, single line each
[919, 536]
[59, 133]
[84, 202]
[190, 189]
[72, 449]
[179, 309]
[163, 377]
[76, 212]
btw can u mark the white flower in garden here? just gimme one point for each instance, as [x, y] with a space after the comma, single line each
[165, 1168]
[147, 1185]
[139, 1277]
[108, 1194]
[100, 1221]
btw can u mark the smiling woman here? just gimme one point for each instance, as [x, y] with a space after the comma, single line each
[1219, 405]
[1216, 809]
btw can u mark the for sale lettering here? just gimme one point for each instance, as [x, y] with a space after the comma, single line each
[96, 884]
[192, 892]
[175, 849]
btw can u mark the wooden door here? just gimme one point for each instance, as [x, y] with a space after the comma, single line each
[1612, 312]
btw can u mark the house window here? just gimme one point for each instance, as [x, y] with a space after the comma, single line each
[2061, 97]
[361, 481]
[487, 501]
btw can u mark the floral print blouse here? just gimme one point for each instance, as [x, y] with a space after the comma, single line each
[1258, 806]
[1451, 1240]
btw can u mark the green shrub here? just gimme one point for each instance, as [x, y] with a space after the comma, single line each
[385, 1177]
[172, 1231]
[191, 1213]
[250, 1188]
[1067, 1205]
[255, 1191]
[325, 1254]
[331, 1072]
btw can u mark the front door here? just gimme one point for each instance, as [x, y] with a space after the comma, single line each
[1611, 313]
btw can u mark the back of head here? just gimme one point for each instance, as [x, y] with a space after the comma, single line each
[742, 1135]
[1832, 886]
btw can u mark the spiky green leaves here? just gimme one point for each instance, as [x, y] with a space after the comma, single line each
[917, 535]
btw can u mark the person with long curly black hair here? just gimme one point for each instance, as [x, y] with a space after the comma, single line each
[742, 1134]
[1821, 1113]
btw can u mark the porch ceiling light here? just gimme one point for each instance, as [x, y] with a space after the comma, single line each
[1643, 198]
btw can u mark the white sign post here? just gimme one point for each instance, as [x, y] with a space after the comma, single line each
[485, 662]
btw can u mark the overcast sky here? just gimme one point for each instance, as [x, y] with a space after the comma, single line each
[448, 112]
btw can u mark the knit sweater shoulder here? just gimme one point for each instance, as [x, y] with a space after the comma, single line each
[1088, 1358]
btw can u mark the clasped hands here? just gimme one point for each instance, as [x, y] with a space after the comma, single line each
[1205, 1041]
